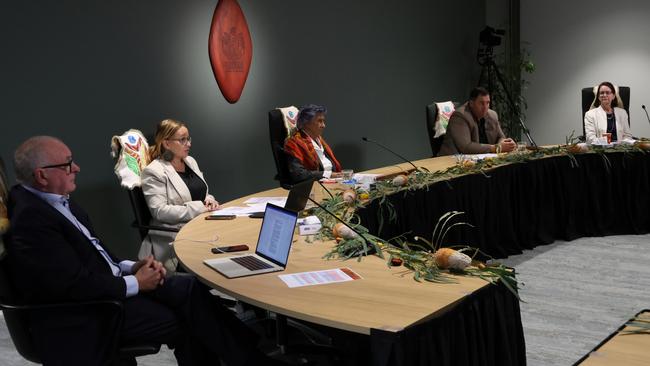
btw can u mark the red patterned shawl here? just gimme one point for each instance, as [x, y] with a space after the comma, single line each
[299, 145]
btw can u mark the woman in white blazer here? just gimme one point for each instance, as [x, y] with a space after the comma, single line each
[606, 116]
[174, 188]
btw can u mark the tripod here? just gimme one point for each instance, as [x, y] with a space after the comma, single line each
[485, 58]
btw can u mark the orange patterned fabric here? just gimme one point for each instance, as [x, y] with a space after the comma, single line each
[299, 146]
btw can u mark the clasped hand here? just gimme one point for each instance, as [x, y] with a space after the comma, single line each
[507, 145]
[211, 204]
[150, 273]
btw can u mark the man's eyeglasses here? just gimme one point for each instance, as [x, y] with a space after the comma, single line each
[183, 141]
[66, 166]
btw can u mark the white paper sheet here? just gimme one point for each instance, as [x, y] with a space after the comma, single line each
[256, 201]
[238, 210]
[319, 277]
[365, 177]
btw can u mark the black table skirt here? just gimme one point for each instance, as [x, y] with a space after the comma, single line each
[483, 329]
[520, 206]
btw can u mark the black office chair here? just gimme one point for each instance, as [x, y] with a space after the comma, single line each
[277, 134]
[588, 98]
[432, 118]
[142, 215]
[17, 319]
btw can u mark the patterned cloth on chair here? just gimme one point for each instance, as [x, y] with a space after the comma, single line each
[290, 116]
[131, 152]
[445, 109]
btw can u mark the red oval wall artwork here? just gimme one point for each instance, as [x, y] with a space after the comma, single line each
[230, 48]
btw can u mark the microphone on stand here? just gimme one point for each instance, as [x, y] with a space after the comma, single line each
[371, 247]
[646, 112]
[527, 132]
[390, 151]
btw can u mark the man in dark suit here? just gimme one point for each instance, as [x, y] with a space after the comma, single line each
[474, 128]
[53, 255]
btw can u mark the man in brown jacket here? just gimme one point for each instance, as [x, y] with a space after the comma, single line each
[474, 128]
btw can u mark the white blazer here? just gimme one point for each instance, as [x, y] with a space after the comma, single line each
[596, 124]
[170, 204]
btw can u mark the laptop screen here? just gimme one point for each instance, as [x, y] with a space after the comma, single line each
[276, 234]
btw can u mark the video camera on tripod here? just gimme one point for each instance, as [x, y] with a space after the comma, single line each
[488, 39]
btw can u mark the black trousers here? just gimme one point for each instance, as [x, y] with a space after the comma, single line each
[184, 315]
[181, 313]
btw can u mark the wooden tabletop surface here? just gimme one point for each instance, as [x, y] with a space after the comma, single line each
[623, 349]
[385, 298]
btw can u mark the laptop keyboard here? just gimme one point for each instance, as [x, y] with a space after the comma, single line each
[251, 262]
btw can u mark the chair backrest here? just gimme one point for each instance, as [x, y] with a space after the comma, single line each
[130, 151]
[277, 134]
[140, 211]
[433, 113]
[588, 98]
[17, 322]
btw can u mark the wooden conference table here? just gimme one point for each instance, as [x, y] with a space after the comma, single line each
[386, 304]
[369, 304]
[519, 206]
[621, 349]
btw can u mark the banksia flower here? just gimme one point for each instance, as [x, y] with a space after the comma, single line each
[468, 163]
[349, 196]
[400, 180]
[447, 258]
[645, 145]
[342, 231]
[577, 148]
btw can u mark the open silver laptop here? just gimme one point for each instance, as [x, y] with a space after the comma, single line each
[271, 252]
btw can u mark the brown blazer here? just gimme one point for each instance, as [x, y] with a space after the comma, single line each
[462, 133]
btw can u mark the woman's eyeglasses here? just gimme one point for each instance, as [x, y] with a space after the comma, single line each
[183, 141]
[605, 92]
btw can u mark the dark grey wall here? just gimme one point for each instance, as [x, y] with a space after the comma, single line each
[86, 70]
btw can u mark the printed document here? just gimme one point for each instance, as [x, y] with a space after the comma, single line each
[319, 277]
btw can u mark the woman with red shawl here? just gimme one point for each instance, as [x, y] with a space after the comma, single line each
[309, 155]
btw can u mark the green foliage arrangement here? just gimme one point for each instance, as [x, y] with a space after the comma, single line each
[637, 325]
[433, 260]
